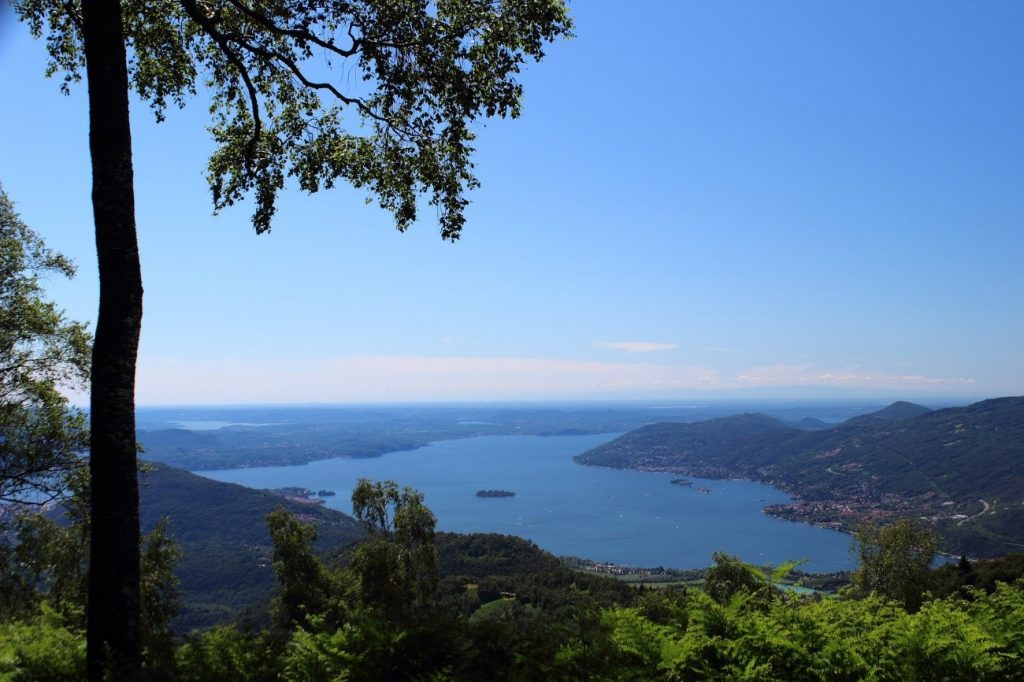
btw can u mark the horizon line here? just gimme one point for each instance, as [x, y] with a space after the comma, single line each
[888, 399]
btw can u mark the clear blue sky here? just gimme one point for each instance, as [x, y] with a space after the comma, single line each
[700, 199]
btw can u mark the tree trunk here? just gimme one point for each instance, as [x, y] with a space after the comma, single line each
[113, 627]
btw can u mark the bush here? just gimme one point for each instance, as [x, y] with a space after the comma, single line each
[42, 649]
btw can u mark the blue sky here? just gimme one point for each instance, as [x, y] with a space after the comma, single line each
[700, 199]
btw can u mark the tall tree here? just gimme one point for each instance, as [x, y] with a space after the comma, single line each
[429, 70]
[308, 587]
[895, 561]
[396, 564]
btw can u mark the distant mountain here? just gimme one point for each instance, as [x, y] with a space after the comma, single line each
[711, 449]
[808, 424]
[206, 438]
[226, 438]
[896, 412]
[284, 445]
[221, 528]
[901, 409]
[961, 468]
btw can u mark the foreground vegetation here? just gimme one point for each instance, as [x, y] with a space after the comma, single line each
[406, 603]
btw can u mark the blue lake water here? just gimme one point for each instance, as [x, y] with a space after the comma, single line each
[626, 517]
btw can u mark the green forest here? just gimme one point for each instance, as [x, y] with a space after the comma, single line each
[405, 602]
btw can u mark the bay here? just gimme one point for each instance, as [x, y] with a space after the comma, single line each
[626, 517]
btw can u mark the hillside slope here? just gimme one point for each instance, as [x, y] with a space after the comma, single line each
[961, 468]
[225, 566]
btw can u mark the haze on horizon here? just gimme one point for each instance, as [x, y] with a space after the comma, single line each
[701, 199]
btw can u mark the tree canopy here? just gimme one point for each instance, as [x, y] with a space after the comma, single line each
[396, 566]
[894, 561]
[403, 126]
[41, 352]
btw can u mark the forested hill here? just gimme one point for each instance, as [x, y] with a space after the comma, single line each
[273, 446]
[225, 567]
[962, 468]
[899, 410]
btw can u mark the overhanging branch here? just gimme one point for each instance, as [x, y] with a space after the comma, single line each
[298, 34]
[222, 40]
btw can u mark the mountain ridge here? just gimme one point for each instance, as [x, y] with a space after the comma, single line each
[960, 468]
[225, 569]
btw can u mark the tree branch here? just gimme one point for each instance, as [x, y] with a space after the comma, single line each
[222, 40]
[273, 56]
[301, 35]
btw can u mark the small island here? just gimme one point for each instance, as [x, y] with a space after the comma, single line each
[495, 493]
[682, 481]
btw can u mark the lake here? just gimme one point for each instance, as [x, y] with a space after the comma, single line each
[625, 517]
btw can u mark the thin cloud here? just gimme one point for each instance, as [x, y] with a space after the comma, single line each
[636, 346]
[412, 378]
[782, 375]
[397, 378]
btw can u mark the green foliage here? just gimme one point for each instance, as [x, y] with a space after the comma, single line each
[642, 644]
[1001, 615]
[229, 654]
[308, 587]
[663, 606]
[396, 567]
[1008, 569]
[43, 573]
[479, 555]
[541, 620]
[160, 601]
[729, 576]
[895, 561]
[393, 624]
[827, 639]
[42, 560]
[225, 567]
[374, 619]
[426, 73]
[509, 636]
[833, 640]
[40, 353]
[549, 622]
[41, 649]
[367, 651]
[940, 642]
